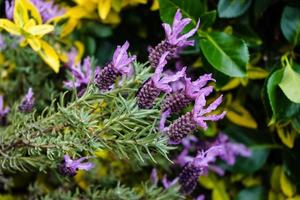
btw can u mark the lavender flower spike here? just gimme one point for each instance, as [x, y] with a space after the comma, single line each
[159, 82]
[82, 74]
[69, 167]
[187, 123]
[27, 103]
[199, 111]
[3, 112]
[178, 100]
[120, 65]
[174, 41]
[9, 9]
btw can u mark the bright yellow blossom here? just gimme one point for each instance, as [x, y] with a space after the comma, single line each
[27, 23]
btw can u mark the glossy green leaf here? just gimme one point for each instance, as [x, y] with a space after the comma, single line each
[232, 8]
[192, 9]
[208, 19]
[226, 53]
[289, 84]
[257, 193]
[248, 35]
[282, 107]
[290, 24]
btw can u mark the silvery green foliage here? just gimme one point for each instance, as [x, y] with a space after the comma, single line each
[121, 192]
[94, 121]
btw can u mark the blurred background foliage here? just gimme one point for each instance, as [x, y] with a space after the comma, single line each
[250, 46]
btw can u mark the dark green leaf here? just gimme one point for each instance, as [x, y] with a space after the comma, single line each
[257, 193]
[282, 108]
[290, 24]
[246, 33]
[260, 6]
[192, 9]
[208, 19]
[226, 53]
[233, 8]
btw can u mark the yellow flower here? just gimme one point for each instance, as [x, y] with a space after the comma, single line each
[32, 30]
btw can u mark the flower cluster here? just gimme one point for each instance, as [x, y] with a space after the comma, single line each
[119, 66]
[69, 167]
[28, 102]
[195, 166]
[81, 75]
[174, 41]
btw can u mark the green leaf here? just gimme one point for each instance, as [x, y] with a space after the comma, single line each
[233, 8]
[290, 24]
[282, 107]
[226, 53]
[208, 19]
[257, 193]
[192, 9]
[289, 84]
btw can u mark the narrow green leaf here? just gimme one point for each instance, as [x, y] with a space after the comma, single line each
[233, 8]
[290, 24]
[226, 53]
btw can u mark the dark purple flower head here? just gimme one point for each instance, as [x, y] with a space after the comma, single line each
[174, 41]
[120, 66]
[27, 102]
[82, 74]
[204, 161]
[3, 112]
[47, 9]
[69, 167]
[178, 100]
[173, 34]
[187, 123]
[159, 82]
[199, 112]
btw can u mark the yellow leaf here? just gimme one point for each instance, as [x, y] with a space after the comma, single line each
[286, 186]
[155, 5]
[233, 83]
[40, 29]
[10, 27]
[80, 51]
[29, 24]
[112, 18]
[286, 136]
[275, 196]
[35, 43]
[116, 5]
[257, 73]
[219, 191]
[33, 11]
[104, 6]
[206, 182]
[20, 14]
[49, 55]
[237, 114]
[275, 180]
[294, 198]
[69, 27]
